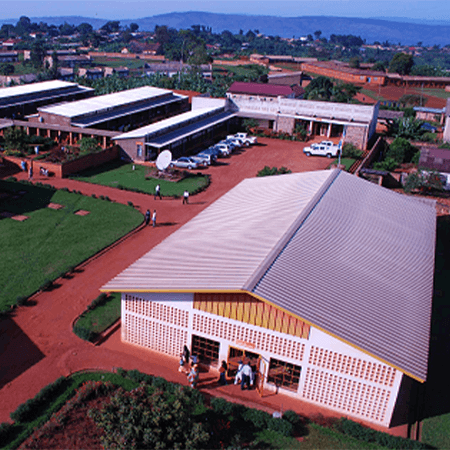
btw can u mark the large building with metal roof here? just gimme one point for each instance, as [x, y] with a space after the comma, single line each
[323, 280]
[208, 120]
[274, 109]
[18, 101]
[119, 111]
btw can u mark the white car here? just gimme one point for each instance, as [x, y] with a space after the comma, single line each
[185, 162]
[224, 149]
[321, 150]
[247, 140]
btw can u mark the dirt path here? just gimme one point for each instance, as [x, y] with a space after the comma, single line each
[37, 344]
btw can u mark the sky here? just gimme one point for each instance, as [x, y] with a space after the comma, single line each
[117, 10]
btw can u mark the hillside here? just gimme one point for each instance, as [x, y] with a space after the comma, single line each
[369, 29]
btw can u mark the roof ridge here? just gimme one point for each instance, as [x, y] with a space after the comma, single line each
[287, 236]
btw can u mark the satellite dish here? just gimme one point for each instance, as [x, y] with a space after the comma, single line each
[163, 160]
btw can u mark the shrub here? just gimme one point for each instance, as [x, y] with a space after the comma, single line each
[350, 151]
[46, 285]
[5, 431]
[292, 417]
[21, 301]
[130, 203]
[268, 171]
[221, 406]
[93, 196]
[99, 301]
[28, 410]
[258, 418]
[362, 433]
[281, 426]
[84, 333]
[121, 372]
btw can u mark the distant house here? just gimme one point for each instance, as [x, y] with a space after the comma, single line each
[171, 69]
[436, 160]
[142, 47]
[69, 60]
[119, 71]
[91, 73]
[9, 57]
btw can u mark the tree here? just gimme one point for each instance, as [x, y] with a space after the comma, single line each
[319, 88]
[354, 62]
[112, 26]
[134, 27]
[84, 28]
[16, 139]
[89, 145]
[37, 53]
[317, 34]
[137, 420]
[401, 63]
[6, 68]
[379, 66]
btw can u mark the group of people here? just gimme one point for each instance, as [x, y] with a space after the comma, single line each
[192, 372]
[244, 375]
[153, 217]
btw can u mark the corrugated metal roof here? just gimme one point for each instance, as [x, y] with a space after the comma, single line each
[171, 123]
[103, 103]
[224, 245]
[361, 267]
[34, 88]
[345, 255]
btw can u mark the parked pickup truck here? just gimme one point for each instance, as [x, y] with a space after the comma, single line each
[321, 150]
[246, 140]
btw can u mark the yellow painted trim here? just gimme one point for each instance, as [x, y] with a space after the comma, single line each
[267, 302]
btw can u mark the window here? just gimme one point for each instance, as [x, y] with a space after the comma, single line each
[139, 150]
[284, 374]
[206, 349]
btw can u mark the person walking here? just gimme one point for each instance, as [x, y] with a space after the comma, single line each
[154, 218]
[30, 173]
[147, 217]
[186, 197]
[193, 376]
[157, 192]
[246, 374]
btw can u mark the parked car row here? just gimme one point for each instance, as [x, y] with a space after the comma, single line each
[209, 156]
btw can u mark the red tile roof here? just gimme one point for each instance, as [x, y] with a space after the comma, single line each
[273, 90]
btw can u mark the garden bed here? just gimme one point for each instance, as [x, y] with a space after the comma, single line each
[139, 178]
[103, 312]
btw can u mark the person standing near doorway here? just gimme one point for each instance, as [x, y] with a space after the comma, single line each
[246, 376]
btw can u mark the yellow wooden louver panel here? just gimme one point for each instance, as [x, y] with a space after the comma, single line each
[247, 309]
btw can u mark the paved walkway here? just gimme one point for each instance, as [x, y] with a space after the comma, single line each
[37, 342]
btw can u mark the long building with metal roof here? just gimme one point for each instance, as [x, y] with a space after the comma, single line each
[179, 134]
[128, 109]
[322, 279]
[18, 101]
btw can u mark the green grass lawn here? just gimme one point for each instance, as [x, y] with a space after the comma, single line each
[440, 93]
[117, 174]
[372, 94]
[347, 162]
[131, 63]
[51, 241]
[100, 318]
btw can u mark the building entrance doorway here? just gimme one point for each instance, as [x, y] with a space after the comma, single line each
[237, 356]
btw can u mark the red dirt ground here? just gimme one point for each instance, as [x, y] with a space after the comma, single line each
[37, 343]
